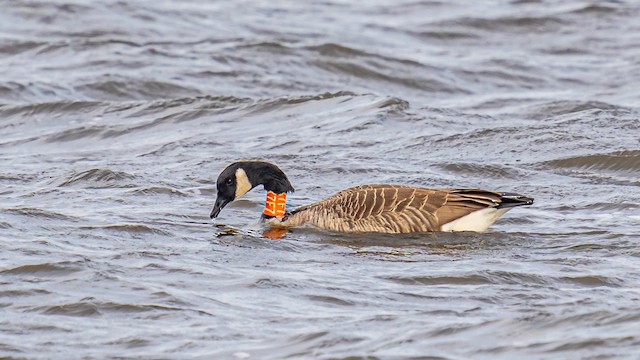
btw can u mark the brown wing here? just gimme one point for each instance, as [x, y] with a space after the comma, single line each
[392, 208]
[461, 202]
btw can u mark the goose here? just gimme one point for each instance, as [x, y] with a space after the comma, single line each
[382, 208]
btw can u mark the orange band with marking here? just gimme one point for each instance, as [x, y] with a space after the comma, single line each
[276, 204]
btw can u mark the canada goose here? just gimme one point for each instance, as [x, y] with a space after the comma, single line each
[368, 208]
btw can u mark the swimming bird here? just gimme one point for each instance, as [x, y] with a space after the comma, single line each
[383, 208]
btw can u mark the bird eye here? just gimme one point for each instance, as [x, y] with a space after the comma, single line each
[229, 181]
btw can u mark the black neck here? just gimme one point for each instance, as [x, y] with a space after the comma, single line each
[269, 175]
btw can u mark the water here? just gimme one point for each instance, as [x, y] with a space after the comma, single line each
[116, 118]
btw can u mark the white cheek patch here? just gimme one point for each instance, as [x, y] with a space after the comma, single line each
[242, 183]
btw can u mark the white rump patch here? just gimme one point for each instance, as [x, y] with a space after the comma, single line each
[242, 183]
[478, 220]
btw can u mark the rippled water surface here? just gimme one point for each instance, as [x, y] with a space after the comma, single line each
[116, 118]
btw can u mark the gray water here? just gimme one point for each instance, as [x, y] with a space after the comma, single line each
[116, 118]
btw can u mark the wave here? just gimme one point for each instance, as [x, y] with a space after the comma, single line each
[39, 213]
[505, 24]
[483, 170]
[129, 228]
[596, 9]
[563, 107]
[14, 47]
[619, 161]
[48, 108]
[45, 269]
[98, 178]
[439, 280]
[157, 190]
[91, 308]
[506, 277]
[134, 89]
[77, 133]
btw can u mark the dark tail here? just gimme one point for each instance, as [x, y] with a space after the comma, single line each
[508, 200]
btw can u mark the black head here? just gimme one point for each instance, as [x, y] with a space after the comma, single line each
[240, 177]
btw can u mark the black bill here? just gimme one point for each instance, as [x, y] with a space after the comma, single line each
[220, 204]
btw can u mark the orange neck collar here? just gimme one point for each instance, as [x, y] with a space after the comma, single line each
[275, 205]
